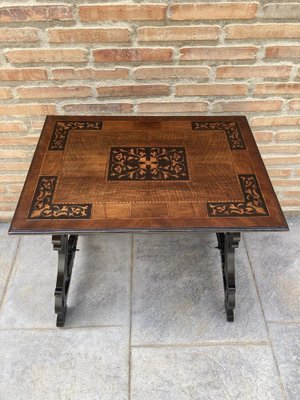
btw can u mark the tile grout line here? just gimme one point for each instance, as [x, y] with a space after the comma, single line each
[130, 314]
[65, 328]
[12, 267]
[266, 324]
[296, 322]
[203, 344]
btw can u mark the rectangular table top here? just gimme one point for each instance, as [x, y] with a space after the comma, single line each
[94, 174]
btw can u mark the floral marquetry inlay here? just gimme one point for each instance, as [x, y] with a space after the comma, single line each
[42, 206]
[147, 164]
[232, 130]
[62, 129]
[253, 204]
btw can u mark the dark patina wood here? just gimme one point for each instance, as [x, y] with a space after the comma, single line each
[95, 174]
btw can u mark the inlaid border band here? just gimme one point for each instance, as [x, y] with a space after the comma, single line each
[253, 205]
[62, 129]
[232, 130]
[43, 208]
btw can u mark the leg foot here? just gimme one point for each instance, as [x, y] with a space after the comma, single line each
[227, 243]
[66, 248]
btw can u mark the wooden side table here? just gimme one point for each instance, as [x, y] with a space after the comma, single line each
[142, 174]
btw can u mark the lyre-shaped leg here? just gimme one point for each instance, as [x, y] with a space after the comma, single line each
[227, 243]
[66, 247]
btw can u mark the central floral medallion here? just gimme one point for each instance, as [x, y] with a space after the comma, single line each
[147, 164]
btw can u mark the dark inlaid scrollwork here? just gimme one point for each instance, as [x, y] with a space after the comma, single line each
[147, 164]
[62, 129]
[232, 130]
[253, 204]
[42, 206]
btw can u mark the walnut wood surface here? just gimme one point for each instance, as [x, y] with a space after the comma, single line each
[92, 174]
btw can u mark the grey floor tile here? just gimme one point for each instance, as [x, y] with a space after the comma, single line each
[71, 364]
[4, 228]
[205, 373]
[275, 259]
[99, 292]
[8, 247]
[178, 292]
[286, 343]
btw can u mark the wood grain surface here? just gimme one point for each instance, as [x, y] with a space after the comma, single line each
[93, 174]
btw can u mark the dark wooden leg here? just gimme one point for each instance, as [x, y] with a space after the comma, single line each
[66, 247]
[227, 243]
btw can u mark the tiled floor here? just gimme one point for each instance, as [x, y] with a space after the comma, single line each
[146, 319]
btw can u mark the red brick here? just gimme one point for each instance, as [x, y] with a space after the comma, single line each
[110, 108]
[280, 149]
[133, 55]
[298, 172]
[39, 92]
[218, 53]
[98, 35]
[15, 188]
[294, 105]
[133, 91]
[253, 71]
[281, 10]
[14, 153]
[27, 74]
[14, 166]
[288, 135]
[279, 173]
[19, 140]
[263, 31]
[283, 51]
[182, 33]
[9, 198]
[276, 121]
[282, 160]
[211, 90]
[37, 125]
[27, 109]
[35, 13]
[14, 126]
[277, 88]
[122, 12]
[286, 182]
[46, 56]
[290, 203]
[172, 72]
[11, 35]
[5, 93]
[250, 105]
[12, 178]
[263, 136]
[176, 107]
[181, 12]
[89, 73]
[292, 193]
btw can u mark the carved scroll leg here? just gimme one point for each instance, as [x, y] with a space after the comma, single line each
[66, 247]
[227, 243]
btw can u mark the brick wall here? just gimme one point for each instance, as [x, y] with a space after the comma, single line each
[138, 57]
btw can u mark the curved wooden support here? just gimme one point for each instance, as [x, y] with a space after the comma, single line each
[66, 247]
[227, 243]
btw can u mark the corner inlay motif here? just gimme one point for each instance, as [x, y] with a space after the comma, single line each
[232, 130]
[253, 204]
[42, 206]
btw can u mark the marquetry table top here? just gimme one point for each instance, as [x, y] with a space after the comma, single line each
[93, 174]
